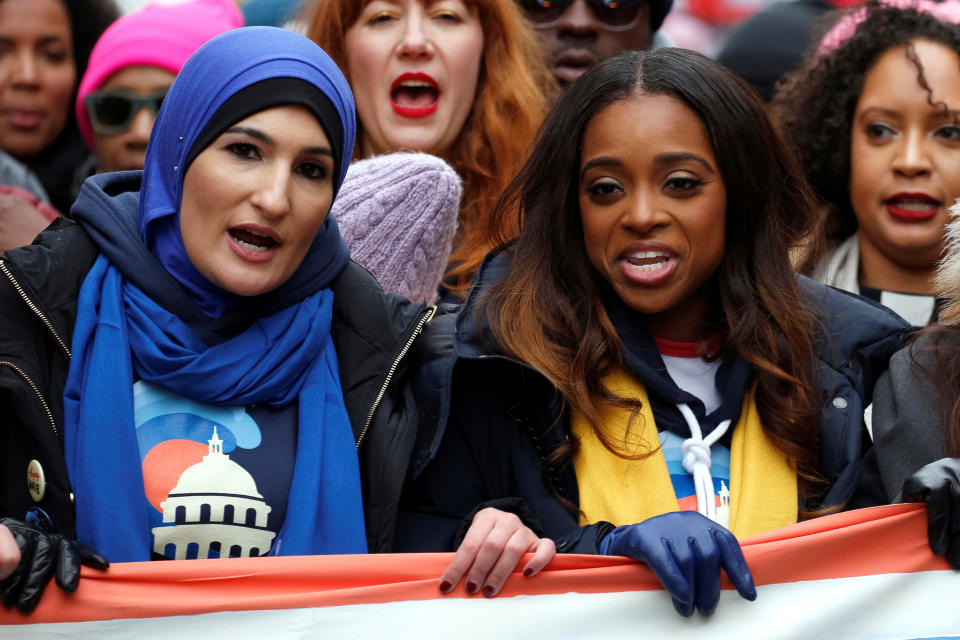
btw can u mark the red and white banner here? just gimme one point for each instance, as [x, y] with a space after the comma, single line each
[858, 574]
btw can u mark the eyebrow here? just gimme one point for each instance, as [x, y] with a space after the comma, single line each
[884, 110]
[682, 156]
[42, 40]
[660, 159]
[953, 113]
[260, 135]
[600, 162]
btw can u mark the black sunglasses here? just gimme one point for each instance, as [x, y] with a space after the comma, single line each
[613, 15]
[112, 110]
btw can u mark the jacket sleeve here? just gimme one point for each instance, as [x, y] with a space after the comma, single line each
[448, 486]
[478, 455]
[907, 423]
[584, 539]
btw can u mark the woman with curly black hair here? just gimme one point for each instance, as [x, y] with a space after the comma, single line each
[873, 116]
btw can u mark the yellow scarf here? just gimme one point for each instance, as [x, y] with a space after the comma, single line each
[763, 493]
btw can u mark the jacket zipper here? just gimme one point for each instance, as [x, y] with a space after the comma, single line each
[427, 317]
[36, 390]
[35, 309]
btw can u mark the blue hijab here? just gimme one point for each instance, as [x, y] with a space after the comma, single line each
[226, 66]
[121, 332]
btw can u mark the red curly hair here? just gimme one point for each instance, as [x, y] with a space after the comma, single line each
[495, 137]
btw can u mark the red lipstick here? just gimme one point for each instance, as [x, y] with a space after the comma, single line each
[912, 207]
[414, 95]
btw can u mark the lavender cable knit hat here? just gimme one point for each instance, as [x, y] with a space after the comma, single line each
[398, 214]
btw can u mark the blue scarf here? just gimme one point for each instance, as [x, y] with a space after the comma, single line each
[125, 329]
[280, 359]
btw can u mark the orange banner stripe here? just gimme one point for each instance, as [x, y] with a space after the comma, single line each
[890, 539]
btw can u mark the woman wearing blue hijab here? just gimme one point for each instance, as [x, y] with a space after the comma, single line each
[191, 366]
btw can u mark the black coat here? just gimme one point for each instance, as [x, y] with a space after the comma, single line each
[497, 421]
[373, 333]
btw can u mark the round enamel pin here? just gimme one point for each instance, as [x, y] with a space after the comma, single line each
[36, 483]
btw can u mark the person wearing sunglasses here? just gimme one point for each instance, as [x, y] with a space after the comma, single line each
[577, 34]
[131, 68]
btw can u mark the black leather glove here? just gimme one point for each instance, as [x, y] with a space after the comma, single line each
[43, 555]
[938, 484]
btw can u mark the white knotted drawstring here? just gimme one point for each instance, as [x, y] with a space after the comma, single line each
[696, 460]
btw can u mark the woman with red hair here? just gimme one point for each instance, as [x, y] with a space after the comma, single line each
[463, 80]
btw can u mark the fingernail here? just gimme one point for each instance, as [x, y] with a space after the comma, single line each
[527, 573]
[472, 587]
[488, 591]
[445, 586]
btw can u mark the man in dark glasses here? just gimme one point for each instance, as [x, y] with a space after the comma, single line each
[577, 34]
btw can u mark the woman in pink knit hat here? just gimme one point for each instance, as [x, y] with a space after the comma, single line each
[132, 65]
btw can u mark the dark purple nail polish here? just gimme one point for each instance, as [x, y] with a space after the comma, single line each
[527, 573]
[488, 591]
[472, 587]
[445, 586]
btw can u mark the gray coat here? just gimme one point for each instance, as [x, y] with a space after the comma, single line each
[907, 421]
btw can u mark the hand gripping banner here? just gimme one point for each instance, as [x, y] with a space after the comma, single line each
[858, 574]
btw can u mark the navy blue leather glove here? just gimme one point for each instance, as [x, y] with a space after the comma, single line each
[42, 556]
[686, 550]
[938, 484]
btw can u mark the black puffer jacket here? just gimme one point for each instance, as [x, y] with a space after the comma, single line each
[373, 333]
[497, 422]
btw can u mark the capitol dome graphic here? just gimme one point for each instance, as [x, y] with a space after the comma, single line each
[215, 507]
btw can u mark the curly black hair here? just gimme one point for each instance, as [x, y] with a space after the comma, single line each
[817, 103]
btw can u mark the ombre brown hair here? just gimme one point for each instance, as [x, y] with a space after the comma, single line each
[547, 310]
[497, 133]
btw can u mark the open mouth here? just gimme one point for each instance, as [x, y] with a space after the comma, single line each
[252, 240]
[648, 266]
[414, 95]
[912, 206]
[648, 261]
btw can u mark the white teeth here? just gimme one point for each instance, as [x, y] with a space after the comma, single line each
[416, 84]
[915, 205]
[661, 259]
[254, 247]
[646, 255]
[647, 267]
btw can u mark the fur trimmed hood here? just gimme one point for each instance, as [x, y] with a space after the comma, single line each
[947, 278]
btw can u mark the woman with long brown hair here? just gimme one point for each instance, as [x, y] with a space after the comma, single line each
[641, 372]
[463, 80]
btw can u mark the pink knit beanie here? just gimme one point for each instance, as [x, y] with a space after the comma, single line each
[948, 11]
[398, 214]
[161, 34]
